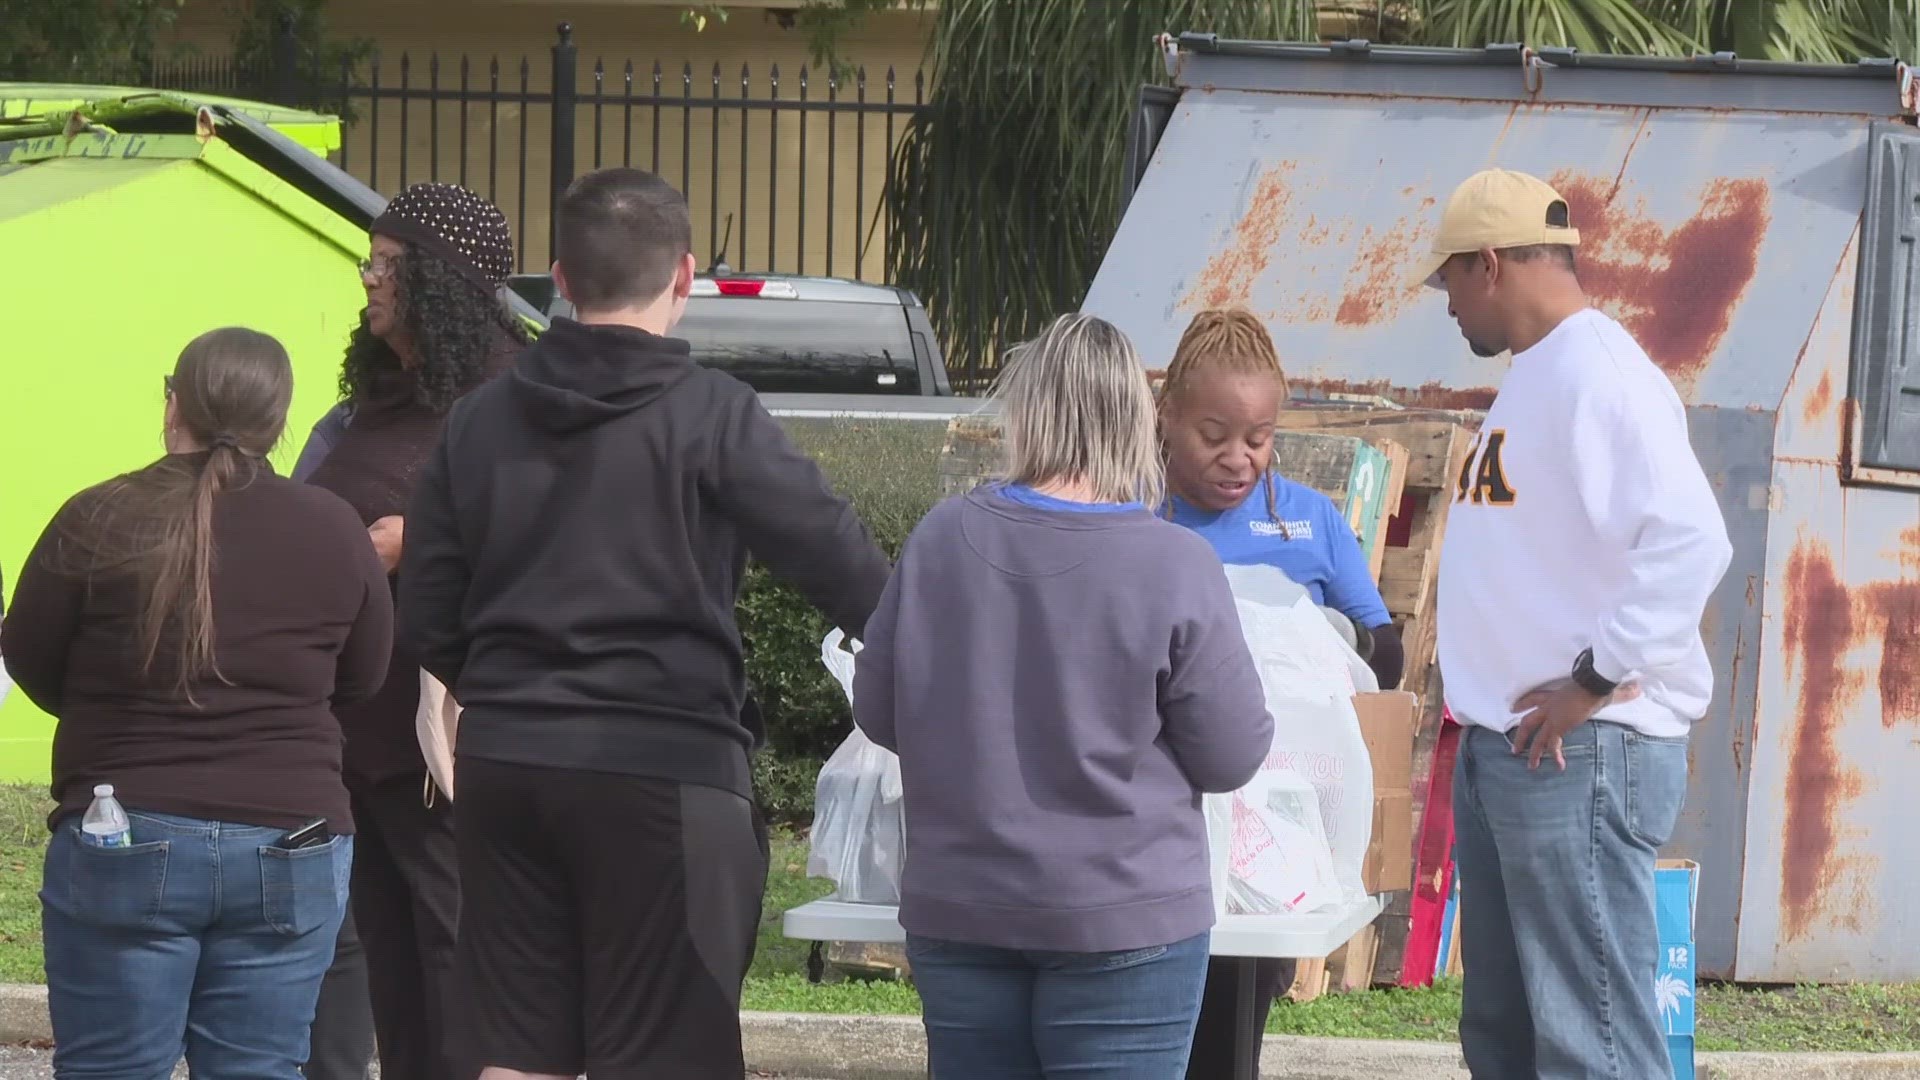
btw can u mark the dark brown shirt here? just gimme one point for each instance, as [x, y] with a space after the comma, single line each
[372, 468]
[303, 622]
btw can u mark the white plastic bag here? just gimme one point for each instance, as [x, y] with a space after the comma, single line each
[1278, 857]
[1312, 662]
[1274, 850]
[859, 821]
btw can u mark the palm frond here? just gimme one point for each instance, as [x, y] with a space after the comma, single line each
[1005, 189]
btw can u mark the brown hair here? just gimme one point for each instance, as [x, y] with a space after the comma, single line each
[620, 236]
[230, 390]
[1231, 340]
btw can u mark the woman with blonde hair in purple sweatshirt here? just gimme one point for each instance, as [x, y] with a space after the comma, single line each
[1063, 674]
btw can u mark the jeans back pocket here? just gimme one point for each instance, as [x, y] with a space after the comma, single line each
[306, 889]
[111, 888]
[1656, 786]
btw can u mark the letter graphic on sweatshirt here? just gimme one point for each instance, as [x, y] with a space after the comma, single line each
[1464, 482]
[1482, 476]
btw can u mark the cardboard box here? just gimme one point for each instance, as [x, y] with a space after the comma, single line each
[1389, 861]
[1676, 897]
[1680, 1052]
[1387, 722]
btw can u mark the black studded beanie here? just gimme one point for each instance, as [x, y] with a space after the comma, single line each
[467, 231]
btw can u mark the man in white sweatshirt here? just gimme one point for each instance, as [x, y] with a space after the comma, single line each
[1582, 546]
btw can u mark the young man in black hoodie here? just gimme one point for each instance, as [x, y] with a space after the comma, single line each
[574, 551]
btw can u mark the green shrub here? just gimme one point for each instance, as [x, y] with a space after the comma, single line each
[890, 470]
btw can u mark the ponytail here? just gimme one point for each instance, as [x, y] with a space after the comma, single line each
[176, 590]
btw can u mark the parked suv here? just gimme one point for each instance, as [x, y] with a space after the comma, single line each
[798, 335]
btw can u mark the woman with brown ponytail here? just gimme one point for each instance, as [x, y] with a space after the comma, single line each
[191, 626]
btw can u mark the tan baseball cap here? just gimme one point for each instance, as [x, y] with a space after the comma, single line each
[1497, 208]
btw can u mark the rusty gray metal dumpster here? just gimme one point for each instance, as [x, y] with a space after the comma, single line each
[1755, 226]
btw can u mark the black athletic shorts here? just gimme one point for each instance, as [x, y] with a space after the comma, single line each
[607, 921]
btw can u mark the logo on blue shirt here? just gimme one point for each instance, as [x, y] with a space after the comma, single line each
[1305, 536]
[1285, 530]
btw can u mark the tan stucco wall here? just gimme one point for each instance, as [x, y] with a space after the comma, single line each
[614, 34]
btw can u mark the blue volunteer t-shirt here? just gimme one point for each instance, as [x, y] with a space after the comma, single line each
[1316, 547]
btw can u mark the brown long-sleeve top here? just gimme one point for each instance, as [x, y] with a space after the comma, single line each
[303, 621]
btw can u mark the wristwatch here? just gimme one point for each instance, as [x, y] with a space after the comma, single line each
[1588, 679]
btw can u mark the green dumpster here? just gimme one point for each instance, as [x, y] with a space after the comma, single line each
[124, 233]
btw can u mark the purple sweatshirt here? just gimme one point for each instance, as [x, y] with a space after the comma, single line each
[1061, 683]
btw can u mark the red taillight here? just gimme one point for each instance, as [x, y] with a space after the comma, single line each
[740, 287]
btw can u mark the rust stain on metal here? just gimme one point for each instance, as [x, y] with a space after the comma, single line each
[1228, 278]
[1429, 395]
[1734, 726]
[1818, 628]
[1675, 289]
[1376, 287]
[1821, 399]
[1895, 606]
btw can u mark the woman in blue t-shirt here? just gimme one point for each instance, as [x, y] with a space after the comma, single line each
[1218, 405]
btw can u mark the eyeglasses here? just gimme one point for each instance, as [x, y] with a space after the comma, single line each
[379, 266]
[167, 382]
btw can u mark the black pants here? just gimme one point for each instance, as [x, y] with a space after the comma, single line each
[343, 1019]
[406, 908]
[609, 921]
[1212, 1057]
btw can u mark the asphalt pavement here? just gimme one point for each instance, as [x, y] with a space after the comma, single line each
[32, 1063]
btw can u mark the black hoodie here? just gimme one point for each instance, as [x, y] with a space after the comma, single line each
[575, 548]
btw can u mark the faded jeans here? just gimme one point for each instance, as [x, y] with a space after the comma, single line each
[204, 938]
[1557, 923]
[1004, 1014]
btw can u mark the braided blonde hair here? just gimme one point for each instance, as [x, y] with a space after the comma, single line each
[1229, 340]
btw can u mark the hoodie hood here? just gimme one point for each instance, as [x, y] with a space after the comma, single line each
[575, 376]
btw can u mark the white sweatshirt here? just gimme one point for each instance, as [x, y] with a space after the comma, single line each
[1582, 519]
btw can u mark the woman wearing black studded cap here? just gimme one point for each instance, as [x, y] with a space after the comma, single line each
[434, 328]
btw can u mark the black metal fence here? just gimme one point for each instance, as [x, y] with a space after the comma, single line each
[783, 173]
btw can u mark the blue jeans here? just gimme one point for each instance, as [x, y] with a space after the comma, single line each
[1003, 1014]
[1557, 923]
[203, 938]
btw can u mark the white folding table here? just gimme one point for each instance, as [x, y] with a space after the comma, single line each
[1239, 939]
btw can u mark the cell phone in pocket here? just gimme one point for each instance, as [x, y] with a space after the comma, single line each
[313, 834]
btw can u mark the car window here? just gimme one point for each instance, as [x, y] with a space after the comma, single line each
[802, 346]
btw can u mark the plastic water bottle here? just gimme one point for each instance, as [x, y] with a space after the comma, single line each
[105, 823]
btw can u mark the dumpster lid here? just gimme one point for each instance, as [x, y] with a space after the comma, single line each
[316, 131]
[1553, 75]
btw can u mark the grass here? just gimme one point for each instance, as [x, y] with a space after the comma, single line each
[23, 832]
[1801, 1018]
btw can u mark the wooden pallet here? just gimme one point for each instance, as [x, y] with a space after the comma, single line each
[1437, 445]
